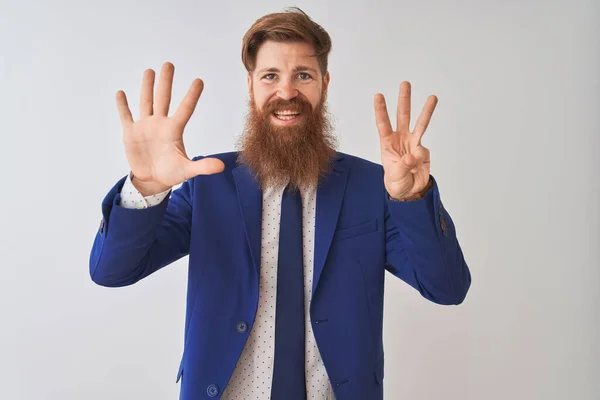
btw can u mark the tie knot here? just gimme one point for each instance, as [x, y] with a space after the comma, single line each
[291, 204]
[291, 191]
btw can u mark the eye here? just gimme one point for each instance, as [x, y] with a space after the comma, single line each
[304, 76]
[269, 77]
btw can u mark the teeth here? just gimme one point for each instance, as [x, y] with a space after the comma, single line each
[287, 112]
[285, 117]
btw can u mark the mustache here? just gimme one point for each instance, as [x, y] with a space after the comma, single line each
[297, 104]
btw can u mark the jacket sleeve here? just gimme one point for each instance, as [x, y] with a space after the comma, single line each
[422, 248]
[133, 243]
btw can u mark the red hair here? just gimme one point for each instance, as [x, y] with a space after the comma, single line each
[292, 25]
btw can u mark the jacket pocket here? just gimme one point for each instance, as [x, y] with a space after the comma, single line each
[357, 230]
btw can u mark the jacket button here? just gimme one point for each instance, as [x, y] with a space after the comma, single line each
[444, 226]
[212, 390]
[242, 327]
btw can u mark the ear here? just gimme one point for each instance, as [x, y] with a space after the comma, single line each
[249, 81]
[326, 80]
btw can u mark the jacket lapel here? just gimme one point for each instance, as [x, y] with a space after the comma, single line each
[250, 199]
[329, 202]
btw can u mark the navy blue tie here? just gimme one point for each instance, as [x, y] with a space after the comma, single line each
[288, 371]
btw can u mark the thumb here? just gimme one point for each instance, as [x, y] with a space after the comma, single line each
[409, 161]
[204, 166]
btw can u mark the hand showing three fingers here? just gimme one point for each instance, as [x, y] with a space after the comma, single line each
[405, 161]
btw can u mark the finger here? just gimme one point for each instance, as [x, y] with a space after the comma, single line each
[123, 108]
[422, 154]
[189, 102]
[403, 112]
[382, 118]
[205, 166]
[147, 94]
[165, 87]
[422, 169]
[408, 161]
[397, 166]
[425, 117]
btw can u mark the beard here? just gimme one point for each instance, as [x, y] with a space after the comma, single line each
[298, 155]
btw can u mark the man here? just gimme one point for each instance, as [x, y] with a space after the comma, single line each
[288, 240]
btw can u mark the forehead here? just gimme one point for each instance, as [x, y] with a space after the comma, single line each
[285, 55]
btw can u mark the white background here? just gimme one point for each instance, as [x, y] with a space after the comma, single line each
[514, 144]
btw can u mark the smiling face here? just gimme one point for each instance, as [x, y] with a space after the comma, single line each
[288, 134]
[285, 74]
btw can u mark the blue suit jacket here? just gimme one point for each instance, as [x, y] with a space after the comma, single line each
[216, 220]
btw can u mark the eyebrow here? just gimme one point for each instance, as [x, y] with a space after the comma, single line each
[299, 68]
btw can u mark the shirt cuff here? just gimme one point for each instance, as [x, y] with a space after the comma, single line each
[132, 198]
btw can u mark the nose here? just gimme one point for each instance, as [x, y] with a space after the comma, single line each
[287, 91]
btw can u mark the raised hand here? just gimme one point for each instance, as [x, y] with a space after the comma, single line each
[405, 161]
[154, 144]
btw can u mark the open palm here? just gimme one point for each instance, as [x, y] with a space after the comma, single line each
[154, 144]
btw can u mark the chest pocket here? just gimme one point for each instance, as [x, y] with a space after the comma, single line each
[356, 230]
